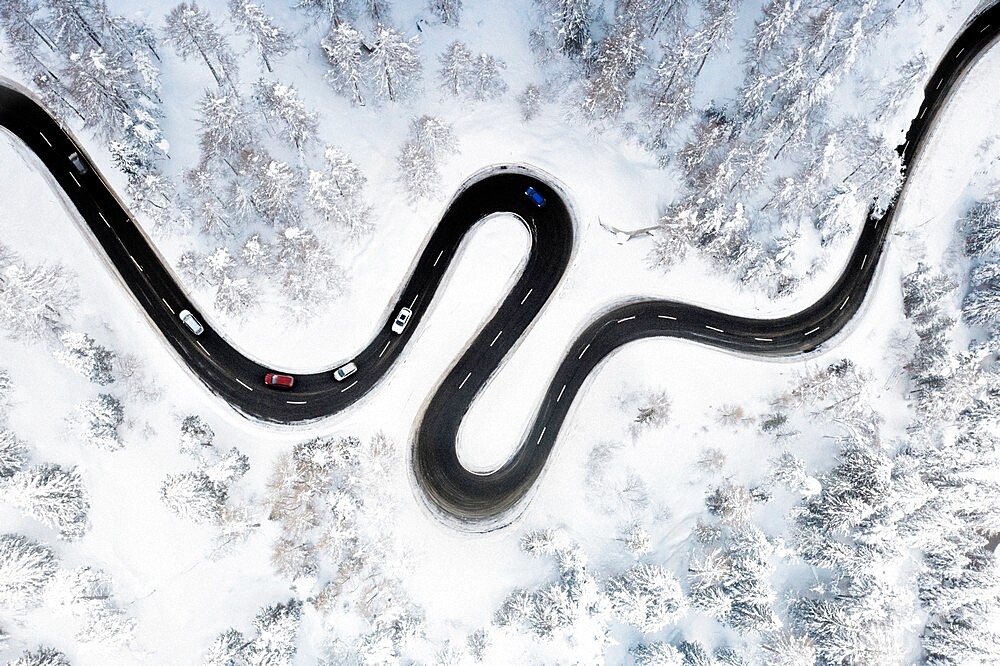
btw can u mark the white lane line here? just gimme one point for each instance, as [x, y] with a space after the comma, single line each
[104, 218]
[714, 328]
[414, 301]
[495, 339]
[464, 380]
[245, 386]
[625, 319]
[812, 331]
[923, 113]
[864, 261]
[960, 52]
[764, 339]
[940, 81]
[542, 434]
[349, 386]
[202, 347]
[383, 349]
[667, 317]
[136, 263]
[876, 223]
[296, 402]
[526, 295]
[46, 140]
[168, 306]
[844, 303]
[74, 179]
[985, 28]
[438, 257]
[560, 393]
[584, 351]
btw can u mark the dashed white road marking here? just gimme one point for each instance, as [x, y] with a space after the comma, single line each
[296, 402]
[812, 331]
[764, 339]
[542, 434]
[204, 350]
[667, 317]
[714, 328]
[414, 301]
[245, 386]
[136, 263]
[864, 261]
[74, 179]
[560, 393]
[625, 319]
[168, 306]
[844, 303]
[526, 295]
[923, 113]
[104, 218]
[985, 28]
[960, 52]
[495, 339]
[438, 257]
[383, 349]
[464, 380]
[584, 351]
[46, 140]
[347, 388]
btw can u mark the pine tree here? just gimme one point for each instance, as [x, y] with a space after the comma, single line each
[646, 596]
[337, 194]
[43, 656]
[572, 24]
[282, 103]
[192, 31]
[13, 453]
[193, 495]
[448, 12]
[225, 130]
[269, 39]
[393, 64]
[344, 46]
[97, 421]
[619, 57]
[82, 353]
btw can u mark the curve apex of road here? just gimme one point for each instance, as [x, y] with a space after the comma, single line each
[463, 498]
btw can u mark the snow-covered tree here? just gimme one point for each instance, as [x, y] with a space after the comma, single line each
[87, 592]
[336, 194]
[430, 140]
[657, 654]
[788, 649]
[344, 48]
[192, 31]
[34, 300]
[282, 103]
[82, 353]
[982, 229]
[310, 273]
[43, 656]
[193, 495]
[269, 39]
[456, 68]
[646, 596]
[26, 568]
[448, 12]
[393, 64]
[277, 628]
[52, 495]
[530, 100]
[97, 421]
[651, 408]
[225, 127]
[571, 20]
[619, 56]
[13, 453]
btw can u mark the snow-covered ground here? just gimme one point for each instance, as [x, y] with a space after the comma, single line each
[181, 598]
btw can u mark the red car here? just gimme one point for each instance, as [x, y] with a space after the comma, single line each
[279, 381]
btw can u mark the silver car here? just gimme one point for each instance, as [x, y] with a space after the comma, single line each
[191, 322]
[74, 159]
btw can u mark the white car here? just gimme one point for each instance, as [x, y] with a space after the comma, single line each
[345, 371]
[399, 325]
[191, 322]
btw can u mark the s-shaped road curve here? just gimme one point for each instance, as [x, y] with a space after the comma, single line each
[479, 501]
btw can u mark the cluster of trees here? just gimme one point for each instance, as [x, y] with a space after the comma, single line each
[383, 66]
[87, 593]
[203, 494]
[335, 512]
[466, 75]
[981, 306]
[274, 642]
[431, 140]
[650, 408]
[36, 301]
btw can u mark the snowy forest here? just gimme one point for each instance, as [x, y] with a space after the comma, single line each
[288, 159]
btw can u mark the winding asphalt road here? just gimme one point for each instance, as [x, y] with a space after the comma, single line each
[481, 501]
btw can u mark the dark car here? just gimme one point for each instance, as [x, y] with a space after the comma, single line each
[279, 381]
[533, 194]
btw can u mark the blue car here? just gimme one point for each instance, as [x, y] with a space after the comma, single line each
[533, 194]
